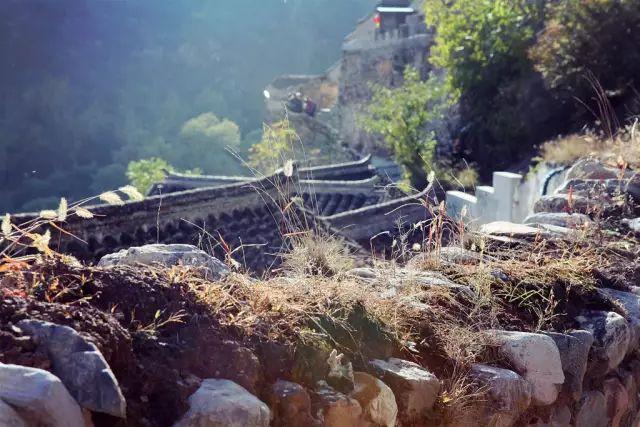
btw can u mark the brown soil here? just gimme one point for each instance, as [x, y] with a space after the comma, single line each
[157, 367]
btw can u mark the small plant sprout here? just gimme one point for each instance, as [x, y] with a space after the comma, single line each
[132, 193]
[63, 208]
[83, 213]
[48, 214]
[111, 198]
[6, 225]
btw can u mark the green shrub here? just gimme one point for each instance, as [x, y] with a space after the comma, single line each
[401, 115]
[597, 38]
[482, 43]
[142, 174]
[483, 47]
[279, 144]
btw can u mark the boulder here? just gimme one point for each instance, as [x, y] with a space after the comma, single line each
[510, 229]
[602, 190]
[589, 168]
[238, 364]
[574, 350]
[537, 359]
[376, 399]
[628, 380]
[562, 203]
[335, 409]
[558, 415]
[409, 276]
[559, 219]
[79, 365]
[617, 400]
[168, 256]
[591, 410]
[631, 304]
[39, 397]
[290, 405]
[448, 255]
[611, 333]
[223, 403]
[9, 417]
[509, 395]
[415, 388]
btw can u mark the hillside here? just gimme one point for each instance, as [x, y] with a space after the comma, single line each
[511, 324]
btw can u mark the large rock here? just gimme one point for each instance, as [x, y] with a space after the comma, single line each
[335, 409]
[589, 168]
[633, 224]
[558, 415]
[594, 170]
[617, 400]
[631, 304]
[415, 388]
[290, 405]
[591, 411]
[39, 397]
[559, 219]
[627, 378]
[574, 350]
[509, 395]
[79, 365]
[168, 256]
[376, 399]
[9, 417]
[510, 229]
[409, 276]
[223, 403]
[601, 190]
[537, 359]
[564, 203]
[612, 335]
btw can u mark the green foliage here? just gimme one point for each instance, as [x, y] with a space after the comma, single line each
[279, 144]
[119, 89]
[599, 38]
[206, 144]
[401, 116]
[482, 42]
[483, 47]
[142, 174]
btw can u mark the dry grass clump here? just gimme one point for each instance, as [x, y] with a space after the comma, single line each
[317, 254]
[566, 150]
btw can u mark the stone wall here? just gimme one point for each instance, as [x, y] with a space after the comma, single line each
[510, 198]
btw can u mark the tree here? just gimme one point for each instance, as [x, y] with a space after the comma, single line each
[585, 41]
[279, 144]
[206, 140]
[482, 42]
[142, 174]
[402, 116]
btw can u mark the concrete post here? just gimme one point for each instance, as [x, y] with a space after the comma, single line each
[456, 201]
[486, 205]
[506, 186]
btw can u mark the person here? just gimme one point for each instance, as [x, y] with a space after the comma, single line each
[310, 107]
[294, 103]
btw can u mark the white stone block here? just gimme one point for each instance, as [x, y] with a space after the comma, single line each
[486, 204]
[506, 188]
[456, 202]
